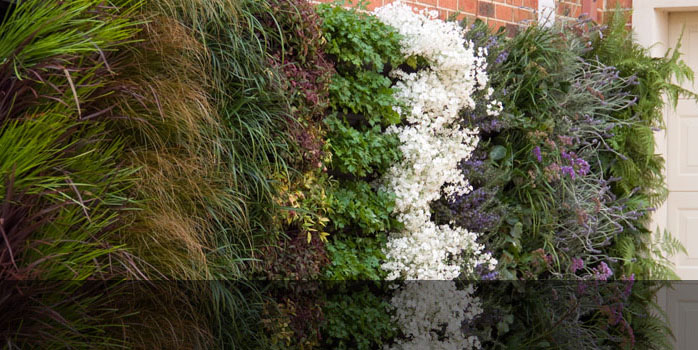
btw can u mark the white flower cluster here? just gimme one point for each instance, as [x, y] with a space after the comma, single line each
[431, 311]
[433, 144]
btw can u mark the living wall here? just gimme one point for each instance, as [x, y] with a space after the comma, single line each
[275, 174]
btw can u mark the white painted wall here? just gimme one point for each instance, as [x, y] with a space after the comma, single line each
[546, 12]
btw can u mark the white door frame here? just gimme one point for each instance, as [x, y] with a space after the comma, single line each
[651, 27]
[651, 21]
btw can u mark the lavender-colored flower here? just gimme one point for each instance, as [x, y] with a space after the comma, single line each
[577, 264]
[582, 165]
[619, 227]
[536, 153]
[568, 170]
[502, 57]
[603, 272]
[490, 276]
[566, 155]
[491, 41]
[485, 273]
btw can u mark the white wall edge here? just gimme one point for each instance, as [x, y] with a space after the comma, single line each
[651, 27]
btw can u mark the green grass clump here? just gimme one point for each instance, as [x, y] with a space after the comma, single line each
[63, 188]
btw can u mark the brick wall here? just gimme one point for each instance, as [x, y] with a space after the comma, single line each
[511, 13]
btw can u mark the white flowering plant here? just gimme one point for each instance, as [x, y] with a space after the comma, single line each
[449, 72]
[433, 143]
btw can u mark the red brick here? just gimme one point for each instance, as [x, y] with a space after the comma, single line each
[512, 30]
[503, 12]
[373, 5]
[522, 15]
[430, 2]
[531, 3]
[469, 19]
[468, 6]
[515, 2]
[417, 7]
[564, 10]
[625, 4]
[485, 9]
[494, 24]
[590, 7]
[448, 4]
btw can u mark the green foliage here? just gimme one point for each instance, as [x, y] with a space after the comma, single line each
[298, 53]
[362, 99]
[364, 50]
[88, 192]
[359, 42]
[361, 153]
[357, 320]
[33, 32]
[50, 153]
[366, 93]
[254, 110]
[362, 105]
[362, 210]
[356, 258]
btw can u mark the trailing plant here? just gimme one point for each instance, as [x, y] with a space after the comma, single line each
[432, 145]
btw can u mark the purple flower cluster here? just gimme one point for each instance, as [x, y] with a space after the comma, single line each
[480, 119]
[576, 265]
[602, 272]
[469, 210]
[492, 41]
[568, 170]
[577, 165]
